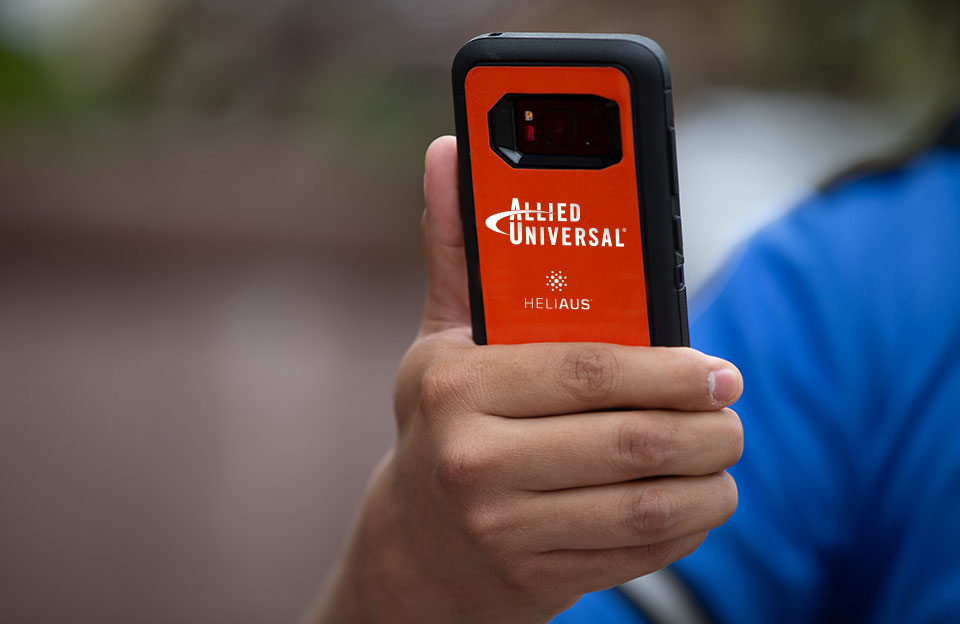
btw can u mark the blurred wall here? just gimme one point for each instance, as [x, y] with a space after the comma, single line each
[209, 254]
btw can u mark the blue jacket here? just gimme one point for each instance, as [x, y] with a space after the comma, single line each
[844, 318]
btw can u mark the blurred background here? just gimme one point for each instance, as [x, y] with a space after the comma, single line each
[209, 253]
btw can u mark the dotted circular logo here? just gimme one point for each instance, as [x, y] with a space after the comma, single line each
[557, 281]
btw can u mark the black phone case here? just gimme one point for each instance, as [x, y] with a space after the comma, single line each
[645, 65]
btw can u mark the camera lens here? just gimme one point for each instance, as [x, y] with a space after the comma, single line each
[559, 127]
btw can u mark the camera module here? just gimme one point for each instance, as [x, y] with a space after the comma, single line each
[556, 131]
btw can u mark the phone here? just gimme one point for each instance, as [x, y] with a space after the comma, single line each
[568, 189]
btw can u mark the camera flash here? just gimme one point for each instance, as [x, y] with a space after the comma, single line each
[528, 115]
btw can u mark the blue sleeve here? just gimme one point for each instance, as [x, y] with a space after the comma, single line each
[844, 319]
[845, 322]
[785, 325]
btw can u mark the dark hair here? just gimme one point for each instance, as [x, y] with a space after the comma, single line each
[946, 136]
[950, 134]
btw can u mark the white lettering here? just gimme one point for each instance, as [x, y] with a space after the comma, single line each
[564, 236]
[574, 212]
[544, 303]
[516, 235]
[515, 207]
[593, 237]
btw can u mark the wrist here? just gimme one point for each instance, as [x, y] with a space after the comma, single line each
[377, 578]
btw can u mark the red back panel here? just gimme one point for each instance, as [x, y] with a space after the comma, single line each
[570, 268]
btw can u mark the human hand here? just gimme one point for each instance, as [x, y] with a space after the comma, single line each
[524, 476]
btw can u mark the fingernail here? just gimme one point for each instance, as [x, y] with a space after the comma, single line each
[724, 386]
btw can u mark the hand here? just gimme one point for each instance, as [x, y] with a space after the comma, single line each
[525, 476]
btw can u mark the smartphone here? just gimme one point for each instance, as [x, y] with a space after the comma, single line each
[568, 189]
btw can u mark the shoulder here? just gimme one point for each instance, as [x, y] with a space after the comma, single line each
[851, 282]
[856, 238]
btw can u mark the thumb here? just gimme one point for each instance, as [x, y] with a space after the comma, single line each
[447, 303]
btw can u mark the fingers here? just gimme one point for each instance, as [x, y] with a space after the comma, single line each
[637, 513]
[566, 378]
[594, 570]
[581, 450]
[447, 303]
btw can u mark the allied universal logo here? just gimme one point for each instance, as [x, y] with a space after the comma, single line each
[522, 232]
[557, 281]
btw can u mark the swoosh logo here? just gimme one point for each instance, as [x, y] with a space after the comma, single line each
[493, 219]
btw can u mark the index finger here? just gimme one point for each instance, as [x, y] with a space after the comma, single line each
[565, 378]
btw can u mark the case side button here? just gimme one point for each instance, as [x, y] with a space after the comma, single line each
[677, 235]
[678, 277]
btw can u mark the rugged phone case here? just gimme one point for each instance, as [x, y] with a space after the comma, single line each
[571, 254]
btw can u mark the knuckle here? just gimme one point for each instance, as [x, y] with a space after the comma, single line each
[651, 512]
[590, 372]
[482, 525]
[461, 466]
[486, 531]
[642, 448]
[442, 385]
[454, 470]
[489, 530]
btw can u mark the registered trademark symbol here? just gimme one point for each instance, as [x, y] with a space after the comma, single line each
[623, 229]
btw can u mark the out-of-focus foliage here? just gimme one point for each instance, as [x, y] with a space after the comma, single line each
[369, 78]
[359, 87]
[865, 48]
[374, 62]
[23, 82]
